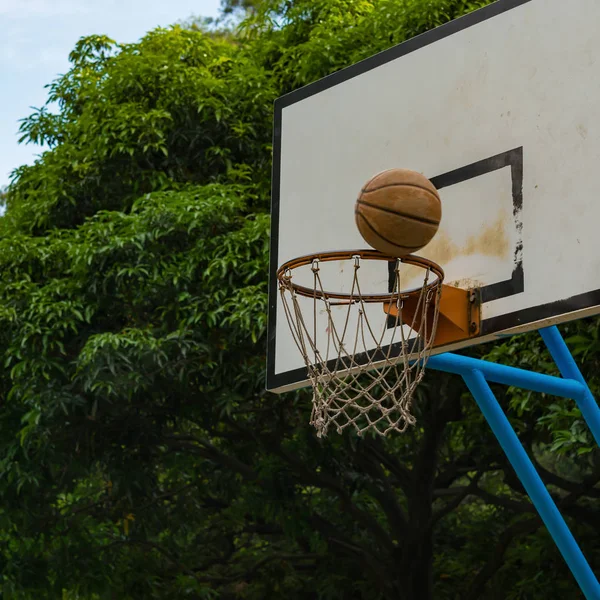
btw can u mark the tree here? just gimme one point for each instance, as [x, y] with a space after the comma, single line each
[119, 231]
[141, 456]
[231, 6]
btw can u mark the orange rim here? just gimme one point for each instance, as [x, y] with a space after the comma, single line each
[284, 274]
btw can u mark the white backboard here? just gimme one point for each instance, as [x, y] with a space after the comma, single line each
[501, 110]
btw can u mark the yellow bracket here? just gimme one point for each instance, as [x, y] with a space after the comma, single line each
[459, 318]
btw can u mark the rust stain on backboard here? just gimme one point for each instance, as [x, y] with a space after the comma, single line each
[492, 241]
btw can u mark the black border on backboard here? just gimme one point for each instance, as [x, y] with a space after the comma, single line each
[274, 380]
[514, 160]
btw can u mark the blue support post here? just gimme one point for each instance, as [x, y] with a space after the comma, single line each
[569, 370]
[477, 373]
[529, 380]
[530, 479]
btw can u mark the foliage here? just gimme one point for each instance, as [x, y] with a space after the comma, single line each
[232, 6]
[141, 456]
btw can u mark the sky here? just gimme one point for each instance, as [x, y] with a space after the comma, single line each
[36, 37]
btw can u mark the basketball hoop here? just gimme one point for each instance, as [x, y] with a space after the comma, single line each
[363, 373]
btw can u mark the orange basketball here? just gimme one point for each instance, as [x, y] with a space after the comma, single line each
[398, 212]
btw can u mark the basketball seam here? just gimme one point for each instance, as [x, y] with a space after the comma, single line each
[387, 185]
[422, 220]
[384, 238]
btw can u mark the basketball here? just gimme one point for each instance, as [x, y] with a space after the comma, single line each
[398, 212]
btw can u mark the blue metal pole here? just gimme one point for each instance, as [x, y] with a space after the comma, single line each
[526, 472]
[569, 370]
[529, 380]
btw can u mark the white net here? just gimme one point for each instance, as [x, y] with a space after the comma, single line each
[364, 375]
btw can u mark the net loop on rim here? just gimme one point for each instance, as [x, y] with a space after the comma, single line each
[365, 353]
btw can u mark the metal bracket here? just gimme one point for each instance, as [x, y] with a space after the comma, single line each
[459, 314]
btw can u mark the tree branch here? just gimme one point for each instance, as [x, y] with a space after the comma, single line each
[400, 472]
[453, 504]
[386, 497]
[585, 487]
[477, 588]
[504, 502]
[376, 565]
[206, 449]
[322, 480]
[255, 567]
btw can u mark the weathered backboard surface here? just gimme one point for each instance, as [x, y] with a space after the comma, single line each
[501, 110]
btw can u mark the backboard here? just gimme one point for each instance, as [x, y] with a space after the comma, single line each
[501, 110]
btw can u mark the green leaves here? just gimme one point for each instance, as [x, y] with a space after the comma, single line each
[179, 107]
